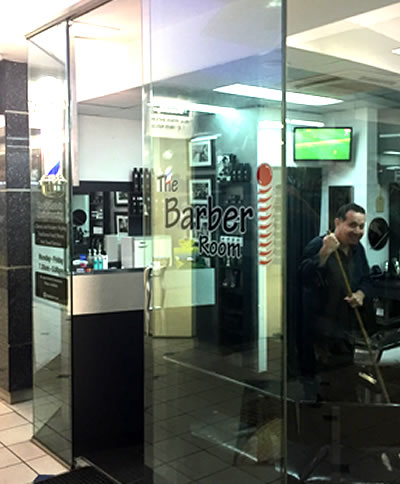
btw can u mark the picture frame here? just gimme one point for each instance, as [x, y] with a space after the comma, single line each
[225, 165]
[121, 198]
[199, 190]
[121, 221]
[200, 152]
[202, 230]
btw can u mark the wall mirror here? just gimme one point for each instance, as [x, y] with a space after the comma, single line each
[378, 233]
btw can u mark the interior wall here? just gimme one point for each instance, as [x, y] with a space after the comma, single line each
[361, 173]
[108, 148]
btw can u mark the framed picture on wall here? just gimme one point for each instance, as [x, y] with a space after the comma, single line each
[338, 196]
[121, 223]
[199, 190]
[200, 152]
[121, 198]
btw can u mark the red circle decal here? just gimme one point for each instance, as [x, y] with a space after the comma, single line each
[264, 174]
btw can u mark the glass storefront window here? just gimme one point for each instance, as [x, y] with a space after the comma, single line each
[213, 349]
[342, 200]
[49, 148]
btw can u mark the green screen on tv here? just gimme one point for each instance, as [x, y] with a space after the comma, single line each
[325, 144]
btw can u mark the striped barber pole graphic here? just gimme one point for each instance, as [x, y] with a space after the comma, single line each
[265, 215]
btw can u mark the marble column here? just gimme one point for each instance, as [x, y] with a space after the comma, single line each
[15, 236]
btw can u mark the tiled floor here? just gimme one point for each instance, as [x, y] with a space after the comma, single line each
[21, 461]
[200, 421]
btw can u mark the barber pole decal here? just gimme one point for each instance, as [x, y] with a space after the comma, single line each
[265, 214]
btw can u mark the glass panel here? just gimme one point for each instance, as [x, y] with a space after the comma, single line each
[213, 346]
[48, 104]
[342, 147]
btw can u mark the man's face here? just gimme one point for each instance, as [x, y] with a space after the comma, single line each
[350, 230]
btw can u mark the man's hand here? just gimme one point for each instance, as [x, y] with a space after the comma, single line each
[356, 300]
[329, 244]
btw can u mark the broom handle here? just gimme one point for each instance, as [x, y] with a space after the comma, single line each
[363, 330]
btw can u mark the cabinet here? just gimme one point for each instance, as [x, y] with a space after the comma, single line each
[96, 217]
[237, 276]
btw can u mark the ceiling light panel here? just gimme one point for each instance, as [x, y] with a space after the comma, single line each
[276, 95]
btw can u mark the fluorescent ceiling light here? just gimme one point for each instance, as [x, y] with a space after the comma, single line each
[304, 122]
[179, 106]
[298, 122]
[389, 135]
[391, 152]
[276, 95]
[396, 51]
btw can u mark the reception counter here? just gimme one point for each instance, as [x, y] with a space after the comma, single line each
[108, 364]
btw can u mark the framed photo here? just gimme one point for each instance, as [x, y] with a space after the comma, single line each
[121, 224]
[200, 152]
[199, 190]
[202, 230]
[121, 198]
[225, 165]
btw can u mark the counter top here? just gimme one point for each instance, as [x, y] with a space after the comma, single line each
[107, 291]
[107, 271]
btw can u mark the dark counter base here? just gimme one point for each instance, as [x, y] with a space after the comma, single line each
[108, 384]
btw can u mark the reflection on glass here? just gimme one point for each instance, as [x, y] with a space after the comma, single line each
[342, 261]
[213, 349]
[48, 101]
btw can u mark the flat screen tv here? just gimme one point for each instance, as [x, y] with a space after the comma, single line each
[322, 144]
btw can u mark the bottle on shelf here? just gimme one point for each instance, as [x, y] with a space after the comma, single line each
[95, 260]
[105, 258]
[90, 258]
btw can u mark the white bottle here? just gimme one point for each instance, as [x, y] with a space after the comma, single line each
[105, 258]
[90, 258]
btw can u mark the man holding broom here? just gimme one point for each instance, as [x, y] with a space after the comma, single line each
[328, 305]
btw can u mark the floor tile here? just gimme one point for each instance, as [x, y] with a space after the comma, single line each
[167, 473]
[231, 476]
[47, 465]
[171, 449]
[16, 435]
[188, 404]
[25, 409]
[27, 450]
[10, 420]
[7, 458]
[4, 409]
[199, 465]
[17, 474]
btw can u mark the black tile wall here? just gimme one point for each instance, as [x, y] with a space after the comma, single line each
[16, 86]
[2, 86]
[19, 306]
[17, 126]
[3, 229]
[17, 167]
[4, 306]
[18, 228]
[4, 367]
[20, 358]
[15, 238]
[2, 165]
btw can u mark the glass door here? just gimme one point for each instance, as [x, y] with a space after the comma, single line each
[343, 271]
[214, 320]
[49, 148]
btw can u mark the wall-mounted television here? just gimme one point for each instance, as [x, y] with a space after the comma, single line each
[322, 144]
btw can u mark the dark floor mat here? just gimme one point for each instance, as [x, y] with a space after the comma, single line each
[86, 475]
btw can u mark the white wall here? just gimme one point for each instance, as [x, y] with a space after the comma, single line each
[360, 173]
[108, 148]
